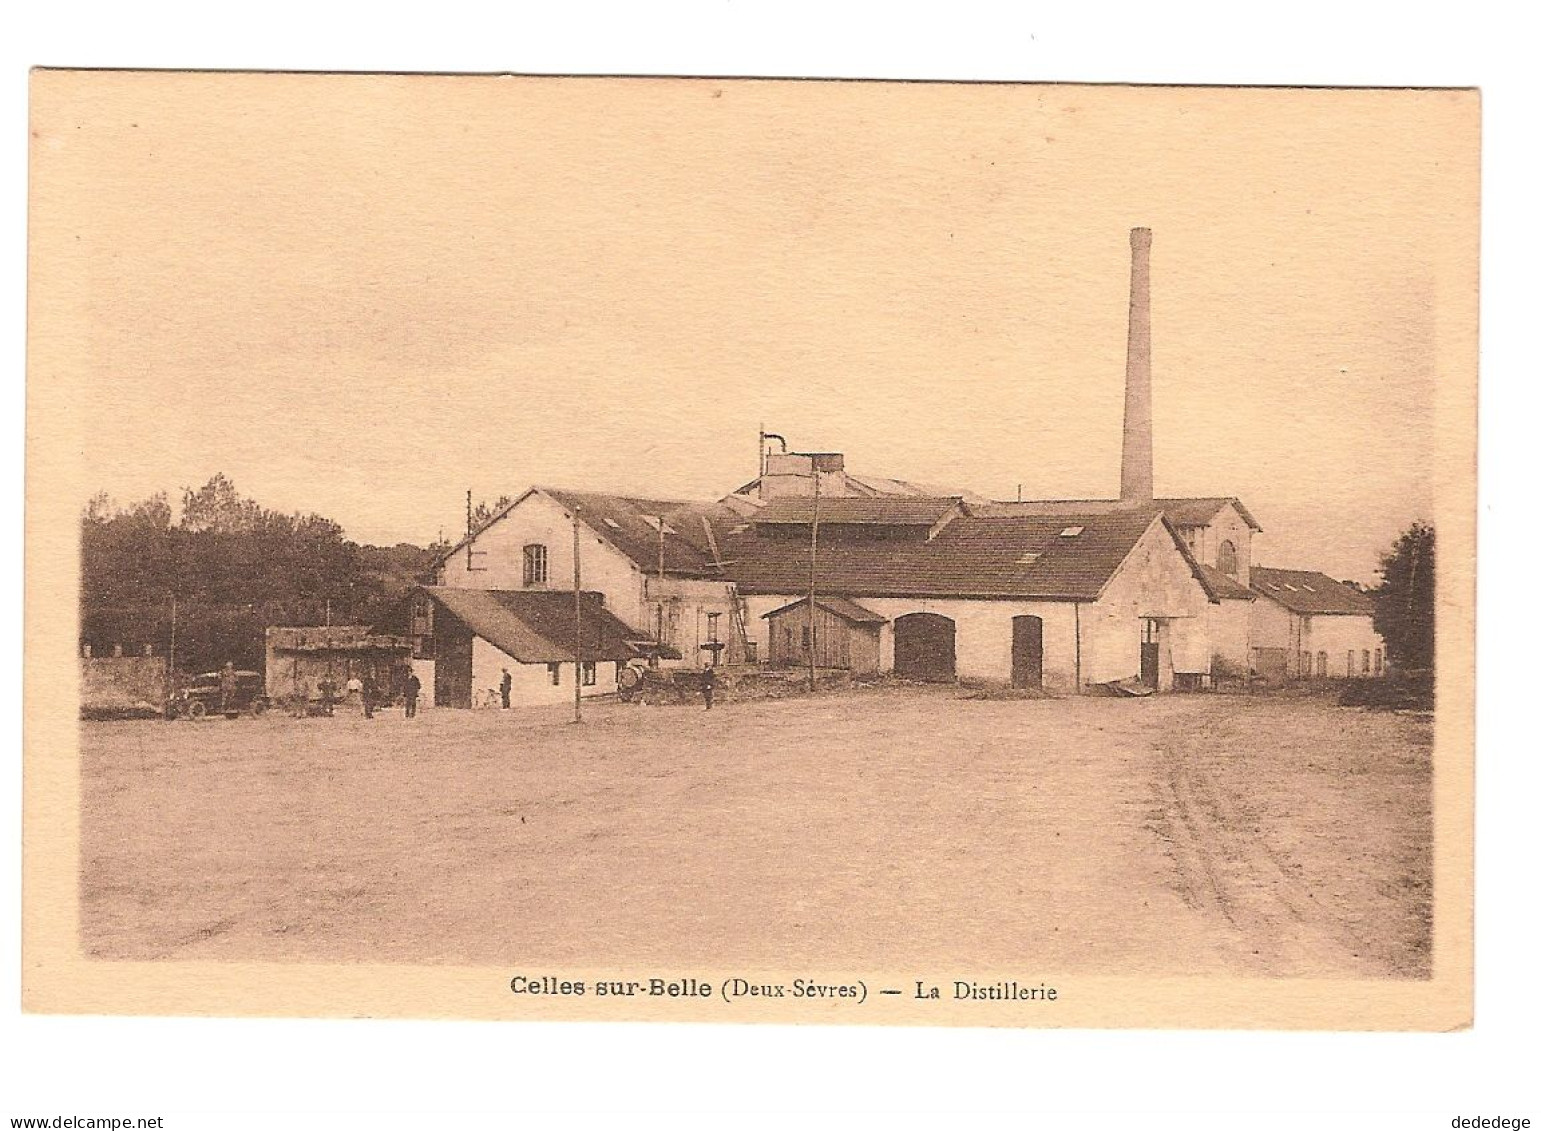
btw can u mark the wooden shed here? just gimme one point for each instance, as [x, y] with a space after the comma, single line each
[844, 633]
[299, 658]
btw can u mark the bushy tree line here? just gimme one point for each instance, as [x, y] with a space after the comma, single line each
[233, 568]
[1404, 599]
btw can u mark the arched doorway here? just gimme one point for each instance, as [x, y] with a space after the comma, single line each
[925, 647]
[1027, 652]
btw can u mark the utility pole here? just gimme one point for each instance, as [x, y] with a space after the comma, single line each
[171, 653]
[577, 625]
[813, 575]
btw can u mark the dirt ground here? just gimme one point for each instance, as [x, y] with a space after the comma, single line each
[884, 828]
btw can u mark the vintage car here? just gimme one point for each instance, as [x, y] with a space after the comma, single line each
[201, 696]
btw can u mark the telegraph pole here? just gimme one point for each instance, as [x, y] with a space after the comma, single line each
[171, 656]
[577, 625]
[813, 575]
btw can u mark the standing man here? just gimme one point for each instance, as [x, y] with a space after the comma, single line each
[506, 686]
[328, 689]
[227, 685]
[367, 694]
[414, 685]
[708, 684]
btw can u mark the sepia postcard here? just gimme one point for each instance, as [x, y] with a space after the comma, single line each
[739, 550]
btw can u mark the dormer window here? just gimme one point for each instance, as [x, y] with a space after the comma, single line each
[1225, 558]
[534, 564]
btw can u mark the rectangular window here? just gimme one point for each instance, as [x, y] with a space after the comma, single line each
[535, 564]
[1379, 662]
[1365, 669]
[1305, 665]
[1348, 668]
[590, 673]
[555, 671]
[1321, 665]
[806, 636]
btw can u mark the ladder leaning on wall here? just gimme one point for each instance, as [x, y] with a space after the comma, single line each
[738, 629]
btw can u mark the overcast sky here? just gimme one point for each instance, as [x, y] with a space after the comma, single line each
[361, 296]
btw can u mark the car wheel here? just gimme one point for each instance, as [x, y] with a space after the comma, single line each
[197, 709]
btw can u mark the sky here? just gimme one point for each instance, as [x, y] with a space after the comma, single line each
[363, 296]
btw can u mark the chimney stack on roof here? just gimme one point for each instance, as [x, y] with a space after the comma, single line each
[1136, 483]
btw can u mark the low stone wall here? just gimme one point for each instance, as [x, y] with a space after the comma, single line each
[122, 684]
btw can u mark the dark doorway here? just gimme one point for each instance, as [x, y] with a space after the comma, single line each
[1150, 654]
[1027, 652]
[925, 647]
[452, 643]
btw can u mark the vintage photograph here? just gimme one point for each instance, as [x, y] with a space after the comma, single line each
[849, 551]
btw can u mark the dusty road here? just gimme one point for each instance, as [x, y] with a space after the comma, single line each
[1179, 834]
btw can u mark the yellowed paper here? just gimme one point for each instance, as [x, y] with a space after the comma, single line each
[363, 296]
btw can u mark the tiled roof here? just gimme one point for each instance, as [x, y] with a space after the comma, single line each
[1306, 591]
[1226, 587]
[842, 607]
[1180, 512]
[536, 626]
[875, 510]
[1014, 556]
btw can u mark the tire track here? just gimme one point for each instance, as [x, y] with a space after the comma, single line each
[1223, 868]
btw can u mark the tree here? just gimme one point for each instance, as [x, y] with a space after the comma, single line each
[1404, 599]
[234, 567]
[218, 507]
[483, 513]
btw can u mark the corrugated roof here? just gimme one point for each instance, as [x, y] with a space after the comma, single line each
[970, 557]
[536, 626]
[1306, 591]
[1226, 587]
[842, 607]
[1180, 512]
[874, 510]
[867, 486]
[630, 524]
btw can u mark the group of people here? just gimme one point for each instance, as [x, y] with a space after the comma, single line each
[364, 688]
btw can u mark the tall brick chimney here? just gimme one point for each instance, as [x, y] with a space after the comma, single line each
[1136, 483]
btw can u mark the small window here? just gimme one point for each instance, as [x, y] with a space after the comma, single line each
[1071, 531]
[1305, 665]
[1290, 587]
[1379, 662]
[1321, 665]
[1365, 668]
[555, 672]
[590, 673]
[1307, 588]
[1028, 559]
[1348, 668]
[807, 636]
[612, 524]
[535, 564]
[1225, 558]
